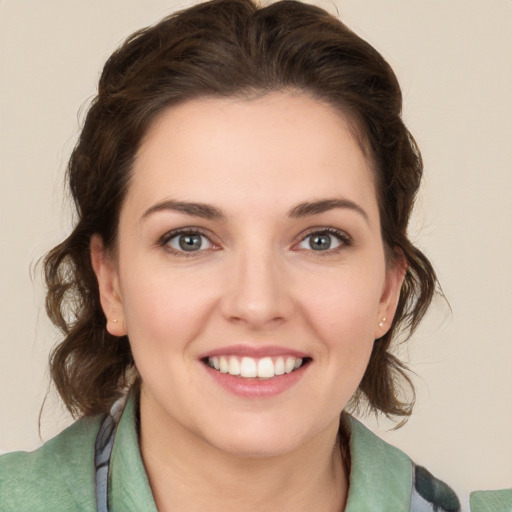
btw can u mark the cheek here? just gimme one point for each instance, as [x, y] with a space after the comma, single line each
[343, 317]
[162, 321]
[345, 305]
[165, 313]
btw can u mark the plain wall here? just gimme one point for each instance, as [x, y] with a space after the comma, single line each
[454, 61]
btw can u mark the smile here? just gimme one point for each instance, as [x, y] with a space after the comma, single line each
[261, 368]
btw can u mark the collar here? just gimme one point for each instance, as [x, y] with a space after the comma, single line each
[380, 474]
[128, 482]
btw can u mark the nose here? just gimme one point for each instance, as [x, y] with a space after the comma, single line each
[258, 294]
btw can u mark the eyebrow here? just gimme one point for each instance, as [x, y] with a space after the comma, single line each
[205, 211]
[324, 205]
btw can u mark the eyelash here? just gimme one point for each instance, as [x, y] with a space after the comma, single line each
[343, 238]
[165, 239]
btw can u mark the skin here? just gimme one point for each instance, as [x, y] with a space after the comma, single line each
[256, 280]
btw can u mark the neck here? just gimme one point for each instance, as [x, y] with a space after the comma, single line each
[187, 473]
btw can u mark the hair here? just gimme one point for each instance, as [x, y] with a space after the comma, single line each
[225, 48]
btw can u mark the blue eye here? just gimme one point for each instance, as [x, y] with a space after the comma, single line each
[188, 242]
[322, 241]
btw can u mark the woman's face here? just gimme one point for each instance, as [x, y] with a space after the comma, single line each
[249, 242]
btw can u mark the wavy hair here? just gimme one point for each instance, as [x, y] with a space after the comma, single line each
[225, 48]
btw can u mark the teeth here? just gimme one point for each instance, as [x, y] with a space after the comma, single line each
[234, 366]
[265, 368]
[224, 365]
[279, 366]
[289, 364]
[247, 367]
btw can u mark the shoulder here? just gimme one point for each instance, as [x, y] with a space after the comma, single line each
[57, 476]
[382, 477]
[491, 501]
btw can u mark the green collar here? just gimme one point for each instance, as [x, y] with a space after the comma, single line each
[380, 475]
[128, 481]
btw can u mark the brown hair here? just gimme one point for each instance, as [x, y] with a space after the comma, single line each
[225, 48]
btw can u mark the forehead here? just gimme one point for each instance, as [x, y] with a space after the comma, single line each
[252, 150]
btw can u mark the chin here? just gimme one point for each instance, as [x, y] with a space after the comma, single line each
[260, 437]
[261, 446]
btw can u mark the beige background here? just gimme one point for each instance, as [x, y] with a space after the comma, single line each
[454, 60]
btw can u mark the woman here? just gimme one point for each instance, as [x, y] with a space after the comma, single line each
[239, 267]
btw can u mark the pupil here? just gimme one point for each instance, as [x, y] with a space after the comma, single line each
[320, 242]
[190, 242]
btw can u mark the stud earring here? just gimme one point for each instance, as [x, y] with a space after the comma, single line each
[114, 320]
[382, 322]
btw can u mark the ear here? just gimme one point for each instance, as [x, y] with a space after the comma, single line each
[108, 282]
[395, 274]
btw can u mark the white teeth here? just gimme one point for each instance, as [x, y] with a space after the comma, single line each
[279, 366]
[289, 364]
[224, 365]
[247, 367]
[265, 368]
[234, 366]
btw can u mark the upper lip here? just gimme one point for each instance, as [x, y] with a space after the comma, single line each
[254, 351]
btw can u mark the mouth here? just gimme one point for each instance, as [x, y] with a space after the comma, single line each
[262, 368]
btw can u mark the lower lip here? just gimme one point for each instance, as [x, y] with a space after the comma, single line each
[257, 388]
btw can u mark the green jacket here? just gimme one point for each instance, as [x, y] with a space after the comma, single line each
[60, 476]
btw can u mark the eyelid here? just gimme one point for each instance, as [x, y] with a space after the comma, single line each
[163, 241]
[345, 239]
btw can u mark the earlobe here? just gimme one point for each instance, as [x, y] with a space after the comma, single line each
[395, 275]
[108, 283]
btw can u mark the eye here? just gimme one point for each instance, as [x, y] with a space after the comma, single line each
[324, 240]
[186, 242]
